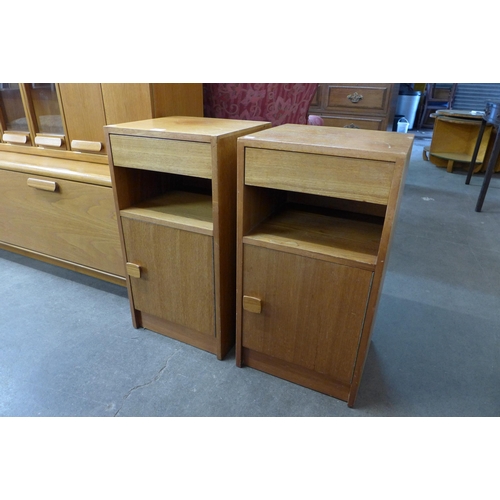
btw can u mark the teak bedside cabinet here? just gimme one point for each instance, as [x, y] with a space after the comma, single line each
[316, 209]
[174, 183]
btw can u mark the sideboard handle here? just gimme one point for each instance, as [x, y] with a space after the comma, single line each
[42, 184]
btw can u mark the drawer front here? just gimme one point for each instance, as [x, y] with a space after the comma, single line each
[361, 122]
[345, 178]
[63, 219]
[358, 98]
[162, 155]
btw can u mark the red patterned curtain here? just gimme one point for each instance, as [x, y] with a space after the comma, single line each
[277, 103]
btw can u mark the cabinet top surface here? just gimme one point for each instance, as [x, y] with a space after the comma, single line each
[186, 127]
[332, 140]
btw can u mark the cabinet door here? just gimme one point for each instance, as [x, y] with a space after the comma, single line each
[312, 311]
[84, 115]
[13, 120]
[127, 102]
[68, 220]
[177, 277]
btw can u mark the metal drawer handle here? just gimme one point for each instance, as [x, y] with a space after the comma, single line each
[354, 98]
[352, 125]
[42, 184]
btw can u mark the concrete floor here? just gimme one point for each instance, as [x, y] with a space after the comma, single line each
[67, 346]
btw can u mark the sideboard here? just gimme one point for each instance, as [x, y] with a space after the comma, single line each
[56, 199]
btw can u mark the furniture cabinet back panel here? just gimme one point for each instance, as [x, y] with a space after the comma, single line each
[73, 221]
[348, 178]
[324, 236]
[311, 317]
[177, 277]
[177, 157]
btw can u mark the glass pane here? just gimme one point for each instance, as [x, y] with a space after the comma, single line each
[46, 107]
[11, 108]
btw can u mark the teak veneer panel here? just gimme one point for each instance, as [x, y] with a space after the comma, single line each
[184, 260]
[348, 178]
[312, 311]
[74, 222]
[176, 157]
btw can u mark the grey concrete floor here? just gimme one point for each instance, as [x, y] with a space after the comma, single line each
[68, 348]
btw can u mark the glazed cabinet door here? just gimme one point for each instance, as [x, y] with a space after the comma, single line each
[172, 274]
[306, 312]
[84, 116]
[14, 123]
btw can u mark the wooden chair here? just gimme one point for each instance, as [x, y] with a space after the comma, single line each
[437, 96]
[278, 103]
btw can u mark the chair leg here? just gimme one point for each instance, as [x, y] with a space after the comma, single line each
[476, 150]
[489, 172]
[422, 117]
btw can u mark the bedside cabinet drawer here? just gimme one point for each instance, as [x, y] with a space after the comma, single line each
[162, 155]
[353, 98]
[340, 177]
[68, 220]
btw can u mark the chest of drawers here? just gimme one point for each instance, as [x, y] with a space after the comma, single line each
[356, 105]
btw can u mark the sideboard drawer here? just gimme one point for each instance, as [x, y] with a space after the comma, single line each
[334, 176]
[361, 122]
[64, 219]
[162, 155]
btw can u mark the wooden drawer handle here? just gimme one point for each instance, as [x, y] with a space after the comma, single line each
[16, 138]
[54, 142]
[42, 184]
[354, 98]
[133, 270]
[252, 304]
[93, 146]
